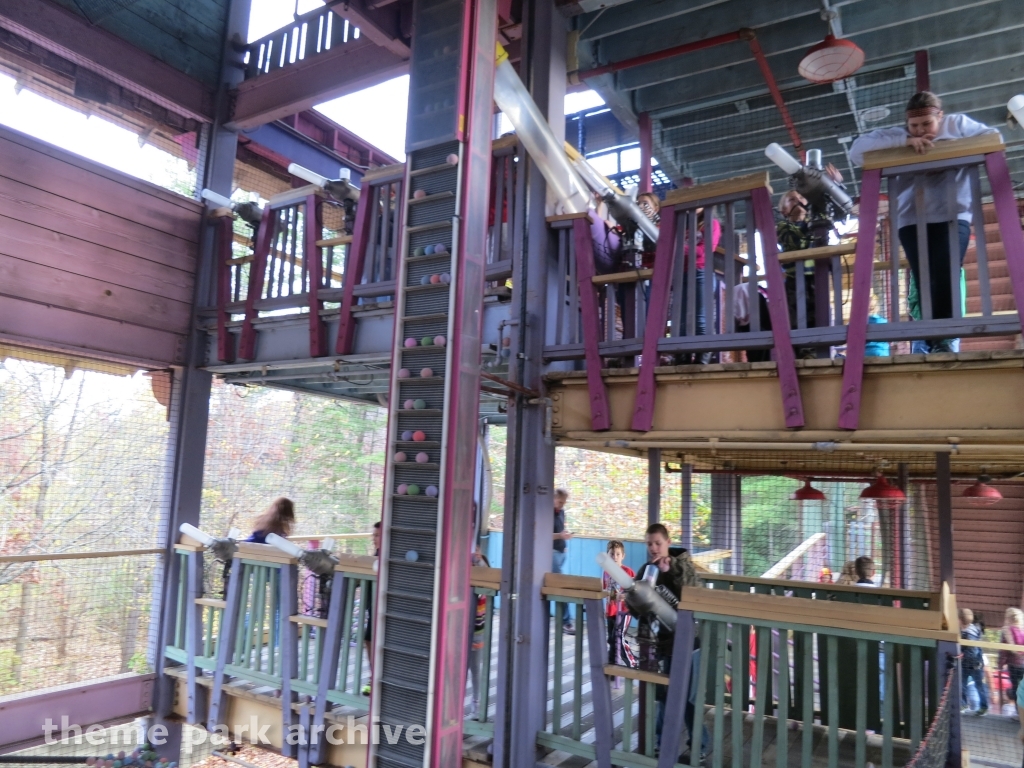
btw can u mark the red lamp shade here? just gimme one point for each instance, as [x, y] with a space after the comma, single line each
[807, 493]
[981, 494]
[881, 490]
[830, 60]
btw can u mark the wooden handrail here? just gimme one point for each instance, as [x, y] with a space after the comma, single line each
[335, 536]
[787, 562]
[79, 555]
[789, 584]
[942, 150]
[718, 188]
[824, 252]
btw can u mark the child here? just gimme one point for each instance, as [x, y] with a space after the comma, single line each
[875, 348]
[864, 567]
[616, 614]
[477, 633]
[278, 518]
[973, 663]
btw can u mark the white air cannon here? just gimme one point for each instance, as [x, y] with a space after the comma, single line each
[620, 205]
[223, 549]
[810, 181]
[319, 561]
[341, 188]
[1016, 107]
[641, 596]
[249, 212]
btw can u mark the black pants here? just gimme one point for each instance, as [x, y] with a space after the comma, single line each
[938, 263]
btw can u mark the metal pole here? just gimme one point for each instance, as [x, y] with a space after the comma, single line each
[686, 508]
[646, 146]
[945, 502]
[902, 539]
[921, 75]
[653, 486]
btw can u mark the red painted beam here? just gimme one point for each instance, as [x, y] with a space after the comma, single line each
[346, 69]
[72, 37]
[773, 88]
[646, 146]
[107, 700]
[922, 76]
[667, 53]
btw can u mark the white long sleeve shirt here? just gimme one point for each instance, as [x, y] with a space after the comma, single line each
[953, 126]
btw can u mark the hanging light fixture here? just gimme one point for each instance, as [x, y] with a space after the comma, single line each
[981, 494]
[807, 493]
[882, 490]
[830, 60]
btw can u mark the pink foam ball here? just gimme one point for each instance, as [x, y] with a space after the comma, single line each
[422, 457]
[120, 756]
[402, 489]
[435, 279]
[419, 194]
[419, 436]
[401, 457]
[404, 373]
[411, 343]
[452, 159]
[426, 373]
[409, 404]
[90, 761]
[439, 341]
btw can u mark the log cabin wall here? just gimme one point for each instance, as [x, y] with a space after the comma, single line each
[92, 260]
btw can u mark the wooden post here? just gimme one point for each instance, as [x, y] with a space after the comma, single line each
[222, 251]
[600, 416]
[653, 486]
[197, 696]
[686, 510]
[943, 487]
[678, 693]
[328, 664]
[315, 272]
[646, 147]
[354, 267]
[225, 645]
[287, 632]
[261, 251]
[597, 645]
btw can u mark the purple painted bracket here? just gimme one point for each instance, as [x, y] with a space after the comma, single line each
[225, 341]
[288, 632]
[304, 738]
[328, 665]
[247, 344]
[597, 645]
[354, 269]
[778, 308]
[315, 266]
[600, 415]
[856, 332]
[1009, 223]
[225, 645]
[657, 316]
[679, 692]
[193, 634]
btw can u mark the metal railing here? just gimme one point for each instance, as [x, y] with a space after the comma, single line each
[311, 33]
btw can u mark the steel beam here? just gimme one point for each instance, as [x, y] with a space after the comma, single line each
[529, 505]
[346, 69]
[72, 37]
[381, 24]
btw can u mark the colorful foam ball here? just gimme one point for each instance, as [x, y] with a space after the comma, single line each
[120, 755]
[419, 436]
[440, 341]
[407, 436]
[410, 342]
[426, 341]
[413, 489]
[440, 248]
[435, 279]
[418, 252]
[426, 373]
[409, 404]
[412, 556]
[402, 489]
[422, 457]
[452, 159]
[90, 761]
[404, 373]
[428, 250]
[425, 280]
[419, 194]
[401, 457]
[419, 404]
[446, 278]
[431, 490]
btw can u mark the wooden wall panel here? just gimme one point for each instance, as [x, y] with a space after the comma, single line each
[91, 260]
[987, 544]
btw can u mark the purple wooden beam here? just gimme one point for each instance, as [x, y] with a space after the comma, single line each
[194, 635]
[792, 405]
[328, 665]
[657, 316]
[1009, 223]
[678, 693]
[646, 148]
[354, 260]
[856, 332]
[72, 37]
[315, 265]
[226, 645]
[289, 639]
[268, 226]
[100, 701]
[597, 644]
[225, 341]
[600, 415]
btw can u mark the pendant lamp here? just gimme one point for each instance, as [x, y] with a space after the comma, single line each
[807, 493]
[981, 494]
[830, 60]
[882, 490]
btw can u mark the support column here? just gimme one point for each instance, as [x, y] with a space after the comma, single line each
[653, 486]
[522, 654]
[725, 518]
[646, 147]
[945, 504]
[190, 403]
[922, 78]
[686, 507]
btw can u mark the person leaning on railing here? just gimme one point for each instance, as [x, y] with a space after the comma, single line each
[1013, 634]
[927, 124]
